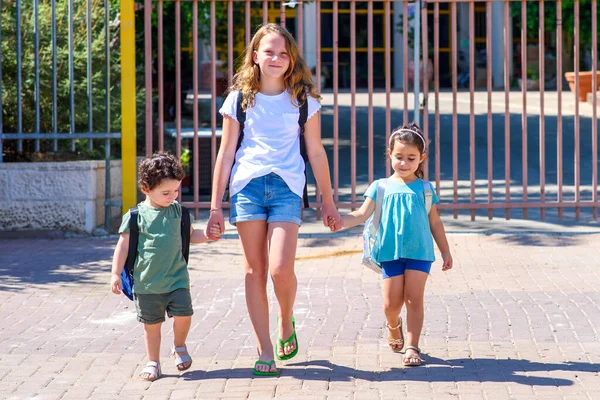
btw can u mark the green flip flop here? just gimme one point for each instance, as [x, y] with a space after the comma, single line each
[268, 373]
[281, 344]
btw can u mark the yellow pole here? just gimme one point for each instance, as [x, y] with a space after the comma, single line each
[128, 90]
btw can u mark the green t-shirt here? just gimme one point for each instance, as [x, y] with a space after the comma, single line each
[159, 267]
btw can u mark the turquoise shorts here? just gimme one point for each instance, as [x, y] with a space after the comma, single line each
[397, 267]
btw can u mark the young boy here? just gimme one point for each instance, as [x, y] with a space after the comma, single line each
[162, 282]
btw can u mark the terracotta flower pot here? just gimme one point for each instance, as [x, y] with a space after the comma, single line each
[585, 83]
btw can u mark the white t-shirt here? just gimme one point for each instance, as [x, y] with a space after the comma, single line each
[271, 140]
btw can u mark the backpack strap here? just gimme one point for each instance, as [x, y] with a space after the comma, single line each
[381, 184]
[241, 117]
[134, 233]
[185, 233]
[428, 194]
[301, 122]
[303, 116]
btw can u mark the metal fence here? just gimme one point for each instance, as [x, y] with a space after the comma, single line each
[496, 150]
[490, 151]
[55, 79]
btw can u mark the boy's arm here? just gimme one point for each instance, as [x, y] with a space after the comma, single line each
[359, 216]
[198, 236]
[119, 258]
[439, 235]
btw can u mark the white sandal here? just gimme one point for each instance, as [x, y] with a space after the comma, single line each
[180, 360]
[153, 369]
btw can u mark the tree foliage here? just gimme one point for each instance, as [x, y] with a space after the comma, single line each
[568, 20]
[63, 88]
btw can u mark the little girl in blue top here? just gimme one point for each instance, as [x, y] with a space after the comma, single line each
[404, 245]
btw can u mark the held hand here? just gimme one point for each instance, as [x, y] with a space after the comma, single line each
[115, 283]
[331, 217]
[447, 259]
[216, 223]
[214, 231]
[331, 224]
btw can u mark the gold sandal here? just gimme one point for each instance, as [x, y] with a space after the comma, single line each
[395, 344]
[414, 359]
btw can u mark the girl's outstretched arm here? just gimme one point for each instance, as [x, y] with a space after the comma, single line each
[359, 216]
[439, 235]
[320, 166]
[223, 164]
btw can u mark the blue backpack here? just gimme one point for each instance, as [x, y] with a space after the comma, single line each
[372, 225]
[134, 233]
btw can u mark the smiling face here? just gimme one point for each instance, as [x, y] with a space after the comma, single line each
[272, 57]
[405, 159]
[163, 194]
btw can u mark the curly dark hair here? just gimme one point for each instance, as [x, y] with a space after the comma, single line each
[410, 134]
[162, 165]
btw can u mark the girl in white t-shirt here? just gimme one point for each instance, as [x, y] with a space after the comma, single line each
[267, 179]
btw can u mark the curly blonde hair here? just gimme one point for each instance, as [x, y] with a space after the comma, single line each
[298, 78]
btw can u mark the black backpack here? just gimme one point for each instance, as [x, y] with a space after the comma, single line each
[134, 233]
[241, 117]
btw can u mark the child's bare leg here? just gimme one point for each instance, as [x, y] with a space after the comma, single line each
[253, 235]
[414, 291]
[393, 300]
[152, 340]
[283, 238]
[181, 328]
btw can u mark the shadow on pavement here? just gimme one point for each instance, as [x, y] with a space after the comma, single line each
[38, 262]
[435, 370]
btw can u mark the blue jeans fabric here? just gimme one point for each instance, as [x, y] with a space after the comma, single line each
[266, 198]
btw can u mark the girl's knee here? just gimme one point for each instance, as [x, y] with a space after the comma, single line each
[392, 305]
[282, 275]
[256, 270]
[413, 300]
[257, 276]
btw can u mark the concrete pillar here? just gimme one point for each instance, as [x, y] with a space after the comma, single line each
[498, 25]
[310, 33]
[397, 55]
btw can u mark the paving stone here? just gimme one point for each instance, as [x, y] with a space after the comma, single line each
[517, 318]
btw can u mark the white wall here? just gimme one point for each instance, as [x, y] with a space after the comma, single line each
[65, 196]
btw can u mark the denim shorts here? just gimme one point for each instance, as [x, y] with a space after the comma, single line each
[151, 308]
[397, 267]
[266, 198]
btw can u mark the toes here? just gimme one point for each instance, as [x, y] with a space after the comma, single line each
[146, 376]
[184, 366]
[290, 348]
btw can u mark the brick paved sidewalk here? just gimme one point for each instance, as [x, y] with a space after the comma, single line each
[518, 318]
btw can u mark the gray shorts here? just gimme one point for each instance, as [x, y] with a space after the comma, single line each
[151, 308]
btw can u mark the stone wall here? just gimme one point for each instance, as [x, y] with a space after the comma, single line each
[56, 196]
